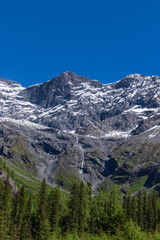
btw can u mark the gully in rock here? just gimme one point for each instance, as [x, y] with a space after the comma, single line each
[82, 157]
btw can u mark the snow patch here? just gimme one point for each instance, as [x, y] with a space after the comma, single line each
[23, 123]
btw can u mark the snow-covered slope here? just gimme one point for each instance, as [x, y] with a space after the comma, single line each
[69, 101]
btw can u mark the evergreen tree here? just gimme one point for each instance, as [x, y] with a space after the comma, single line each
[150, 214]
[89, 189]
[115, 211]
[128, 207]
[83, 207]
[140, 210]
[100, 206]
[42, 226]
[54, 207]
[20, 219]
[73, 207]
[28, 217]
[94, 216]
[4, 231]
[14, 232]
[132, 232]
[1, 194]
[145, 212]
[134, 209]
[104, 216]
[5, 221]
[155, 210]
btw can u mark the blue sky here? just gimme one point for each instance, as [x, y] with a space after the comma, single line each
[103, 40]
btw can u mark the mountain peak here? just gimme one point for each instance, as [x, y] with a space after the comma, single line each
[8, 82]
[132, 80]
[135, 75]
[72, 77]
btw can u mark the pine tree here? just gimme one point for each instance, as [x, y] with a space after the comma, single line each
[150, 214]
[134, 209]
[155, 210]
[55, 207]
[100, 208]
[83, 207]
[115, 211]
[94, 216]
[89, 189]
[145, 212]
[28, 216]
[20, 219]
[4, 234]
[73, 207]
[14, 232]
[104, 217]
[1, 194]
[42, 225]
[140, 210]
[6, 209]
[128, 207]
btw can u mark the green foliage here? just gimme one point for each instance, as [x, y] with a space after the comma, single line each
[67, 179]
[51, 216]
[5, 167]
[55, 207]
[155, 236]
[42, 225]
[137, 185]
[22, 177]
[132, 232]
[115, 211]
[140, 210]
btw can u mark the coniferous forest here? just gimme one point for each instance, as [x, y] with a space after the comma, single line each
[80, 215]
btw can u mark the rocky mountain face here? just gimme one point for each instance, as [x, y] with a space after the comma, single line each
[72, 128]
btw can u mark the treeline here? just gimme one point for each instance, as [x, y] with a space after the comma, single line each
[77, 216]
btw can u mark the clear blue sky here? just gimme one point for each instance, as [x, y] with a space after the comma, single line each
[103, 39]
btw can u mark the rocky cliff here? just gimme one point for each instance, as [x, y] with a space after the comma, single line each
[72, 128]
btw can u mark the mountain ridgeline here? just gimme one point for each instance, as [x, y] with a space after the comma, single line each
[72, 128]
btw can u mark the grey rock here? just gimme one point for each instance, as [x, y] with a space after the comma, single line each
[72, 127]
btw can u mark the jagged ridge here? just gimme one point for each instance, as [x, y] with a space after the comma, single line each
[71, 124]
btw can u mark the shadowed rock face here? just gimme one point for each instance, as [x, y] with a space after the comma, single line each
[55, 91]
[73, 128]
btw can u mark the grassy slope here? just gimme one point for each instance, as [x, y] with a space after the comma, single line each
[22, 177]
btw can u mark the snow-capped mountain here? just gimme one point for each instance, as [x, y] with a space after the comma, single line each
[72, 127]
